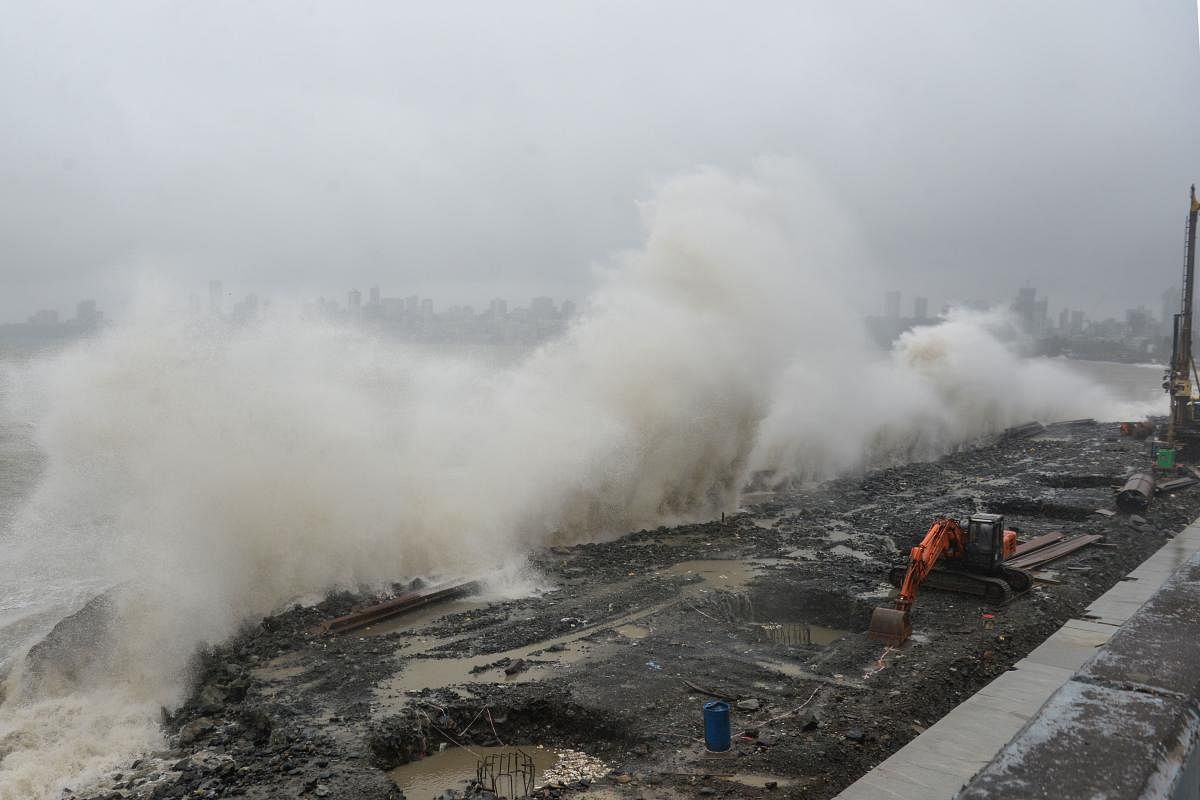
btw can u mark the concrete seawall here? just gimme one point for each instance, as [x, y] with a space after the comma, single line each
[1107, 707]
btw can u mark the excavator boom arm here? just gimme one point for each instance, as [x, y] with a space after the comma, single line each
[945, 535]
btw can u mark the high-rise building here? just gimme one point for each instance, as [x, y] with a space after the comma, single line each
[411, 304]
[245, 311]
[920, 308]
[1041, 316]
[392, 307]
[498, 308]
[374, 296]
[86, 314]
[214, 297]
[354, 302]
[1076, 323]
[1139, 321]
[568, 309]
[891, 301]
[1064, 320]
[1025, 307]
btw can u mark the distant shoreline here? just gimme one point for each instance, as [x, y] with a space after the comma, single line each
[1130, 363]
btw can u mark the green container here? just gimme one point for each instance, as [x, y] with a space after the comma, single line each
[1166, 458]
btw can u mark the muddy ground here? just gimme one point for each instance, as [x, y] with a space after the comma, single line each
[618, 658]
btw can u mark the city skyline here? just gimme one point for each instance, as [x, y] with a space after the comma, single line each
[893, 302]
[417, 316]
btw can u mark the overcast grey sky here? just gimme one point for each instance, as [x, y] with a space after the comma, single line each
[464, 149]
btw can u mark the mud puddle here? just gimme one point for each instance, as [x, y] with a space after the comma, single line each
[759, 781]
[281, 670]
[633, 631]
[798, 633]
[726, 575]
[553, 657]
[452, 768]
[843, 550]
[539, 661]
[423, 616]
[794, 670]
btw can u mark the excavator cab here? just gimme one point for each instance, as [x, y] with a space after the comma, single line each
[985, 542]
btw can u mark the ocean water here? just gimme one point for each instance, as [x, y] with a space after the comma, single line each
[1137, 383]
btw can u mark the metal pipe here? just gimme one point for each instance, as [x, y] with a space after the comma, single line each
[1136, 493]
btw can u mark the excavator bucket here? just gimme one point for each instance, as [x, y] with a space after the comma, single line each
[890, 625]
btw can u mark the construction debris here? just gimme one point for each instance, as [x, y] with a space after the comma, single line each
[1138, 430]
[406, 602]
[1023, 431]
[1136, 493]
[1044, 555]
[1038, 542]
[1174, 484]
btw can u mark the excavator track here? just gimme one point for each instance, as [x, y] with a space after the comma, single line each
[997, 590]
[1019, 580]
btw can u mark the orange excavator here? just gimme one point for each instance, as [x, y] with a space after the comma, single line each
[971, 561]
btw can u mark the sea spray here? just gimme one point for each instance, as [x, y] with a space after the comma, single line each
[942, 386]
[214, 472]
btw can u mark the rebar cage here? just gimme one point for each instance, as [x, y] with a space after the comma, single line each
[512, 771]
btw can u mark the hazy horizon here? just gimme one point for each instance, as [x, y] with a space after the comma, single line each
[468, 152]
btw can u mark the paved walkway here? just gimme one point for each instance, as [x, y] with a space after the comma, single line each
[941, 760]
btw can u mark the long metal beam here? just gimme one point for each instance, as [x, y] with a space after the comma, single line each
[1038, 542]
[1053, 552]
[399, 605]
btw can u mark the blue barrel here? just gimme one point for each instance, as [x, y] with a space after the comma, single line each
[716, 726]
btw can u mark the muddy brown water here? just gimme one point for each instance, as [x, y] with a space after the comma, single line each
[797, 633]
[633, 631]
[448, 769]
[433, 673]
[721, 574]
[548, 657]
[422, 616]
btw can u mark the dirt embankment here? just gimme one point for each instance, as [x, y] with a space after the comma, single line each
[766, 608]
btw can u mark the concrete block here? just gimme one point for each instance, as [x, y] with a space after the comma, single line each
[1114, 612]
[1094, 742]
[1026, 688]
[903, 781]
[1158, 647]
[1070, 647]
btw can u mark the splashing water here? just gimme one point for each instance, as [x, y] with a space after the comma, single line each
[216, 473]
